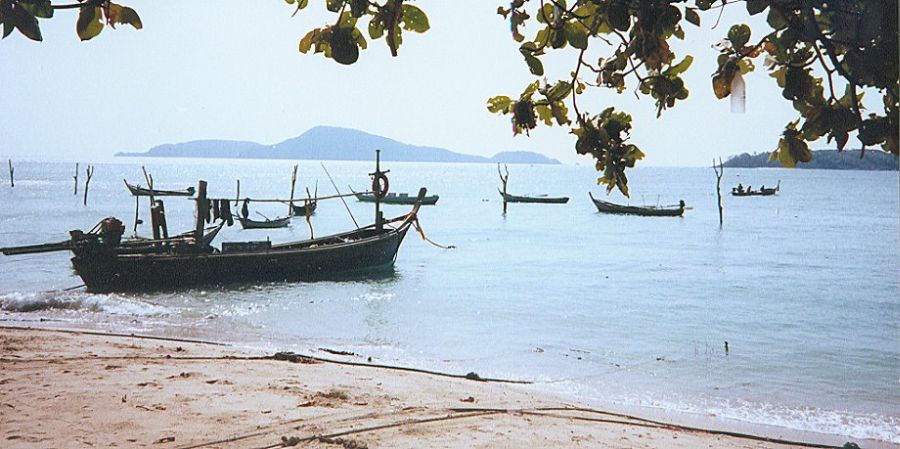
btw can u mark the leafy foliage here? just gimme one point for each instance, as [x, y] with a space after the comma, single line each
[813, 50]
[22, 15]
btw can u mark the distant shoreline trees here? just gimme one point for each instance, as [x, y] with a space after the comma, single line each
[823, 159]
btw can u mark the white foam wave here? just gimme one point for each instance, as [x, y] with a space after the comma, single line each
[18, 302]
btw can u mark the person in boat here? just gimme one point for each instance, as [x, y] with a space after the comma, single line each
[762, 188]
[740, 188]
[749, 189]
[245, 208]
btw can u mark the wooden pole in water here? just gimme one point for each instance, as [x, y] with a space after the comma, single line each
[293, 186]
[237, 196]
[720, 170]
[12, 181]
[76, 179]
[202, 210]
[90, 174]
[504, 180]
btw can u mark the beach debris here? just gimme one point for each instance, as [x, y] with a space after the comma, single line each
[292, 357]
[333, 394]
[337, 352]
[472, 375]
[290, 441]
[347, 444]
[850, 445]
[468, 399]
[164, 440]
[306, 404]
[538, 349]
[125, 398]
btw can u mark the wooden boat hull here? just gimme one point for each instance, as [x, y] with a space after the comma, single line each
[247, 223]
[767, 192]
[300, 211]
[650, 211]
[141, 191]
[106, 271]
[534, 199]
[398, 199]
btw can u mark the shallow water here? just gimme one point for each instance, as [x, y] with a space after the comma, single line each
[630, 310]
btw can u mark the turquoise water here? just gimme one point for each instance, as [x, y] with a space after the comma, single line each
[607, 309]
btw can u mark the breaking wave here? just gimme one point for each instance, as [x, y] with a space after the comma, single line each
[77, 301]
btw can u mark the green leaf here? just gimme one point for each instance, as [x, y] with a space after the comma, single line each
[334, 5]
[756, 6]
[358, 7]
[414, 19]
[344, 48]
[38, 8]
[681, 67]
[722, 85]
[691, 15]
[576, 34]
[376, 28]
[118, 14]
[739, 35]
[26, 24]
[617, 16]
[89, 24]
[307, 40]
[499, 104]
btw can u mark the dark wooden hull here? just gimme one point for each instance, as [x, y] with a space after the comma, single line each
[403, 199]
[141, 191]
[645, 211]
[534, 199]
[301, 211]
[105, 271]
[247, 223]
[766, 192]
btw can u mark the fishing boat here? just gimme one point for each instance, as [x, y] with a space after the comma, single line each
[544, 199]
[305, 209]
[137, 190]
[763, 191]
[647, 211]
[396, 198]
[273, 223]
[106, 263]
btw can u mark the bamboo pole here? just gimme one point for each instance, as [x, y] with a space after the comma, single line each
[237, 196]
[12, 181]
[90, 174]
[76, 179]
[720, 171]
[293, 186]
[287, 200]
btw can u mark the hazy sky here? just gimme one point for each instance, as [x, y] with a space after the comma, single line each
[231, 70]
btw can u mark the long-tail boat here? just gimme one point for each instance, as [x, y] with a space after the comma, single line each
[648, 211]
[305, 209]
[533, 199]
[107, 264]
[396, 198]
[137, 190]
[273, 223]
[763, 191]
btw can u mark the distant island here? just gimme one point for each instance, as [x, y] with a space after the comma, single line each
[874, 159]
[333, 143]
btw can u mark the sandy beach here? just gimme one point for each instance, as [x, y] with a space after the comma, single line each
[66, 389]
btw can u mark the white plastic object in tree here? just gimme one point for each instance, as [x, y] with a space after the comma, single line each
[738, 94]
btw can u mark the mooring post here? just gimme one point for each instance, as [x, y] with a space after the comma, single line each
[202, 210]
[379, 225]
[504, 180]
[90, 174]
[12, 181]
[720, 170]
[76, 179]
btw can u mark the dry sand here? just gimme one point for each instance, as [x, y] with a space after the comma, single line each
[69, 390]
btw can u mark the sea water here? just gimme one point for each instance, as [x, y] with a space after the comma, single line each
[602, 309]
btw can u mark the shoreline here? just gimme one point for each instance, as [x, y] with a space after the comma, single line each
[198, 391]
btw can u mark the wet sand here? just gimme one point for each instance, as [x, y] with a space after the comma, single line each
[64, 389]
